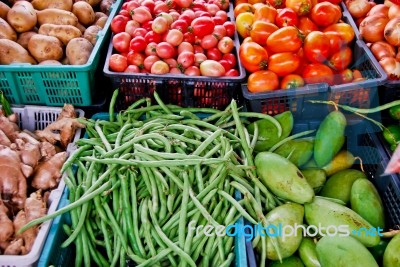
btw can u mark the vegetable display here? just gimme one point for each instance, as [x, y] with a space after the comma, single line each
[294, 44]
[50, 32]
[379, 28]
[30, 168]
[194, 38]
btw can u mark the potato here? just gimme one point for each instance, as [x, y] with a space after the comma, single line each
[22, 16]
[98, 15]
[101, 22]
[64, 33]
[56, 16]
[93, 3]
[78, 51]
[84, 12]
[58, 4]
[23, 38]
[6, 31]
[91, 34]
[65, 61]
[105, 6]
[3, 10]
[81, 27]
[43, 47]
[12, 52]
[50, 62]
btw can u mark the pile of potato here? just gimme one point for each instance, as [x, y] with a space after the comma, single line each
[51, 32]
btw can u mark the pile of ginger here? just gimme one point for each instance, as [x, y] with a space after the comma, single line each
[30, 164]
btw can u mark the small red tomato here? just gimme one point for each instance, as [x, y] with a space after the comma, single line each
[318, 73]
[230, 28]
[232, 73]
[121, 41]
[286, 17]
[202, 26]
[118, 23]
[291, 81]
[214, 54]
[138, 44]
[118, 63]
[132, 69]
[135, 58]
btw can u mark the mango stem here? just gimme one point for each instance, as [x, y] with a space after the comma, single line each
[361, 163]
[390, 234]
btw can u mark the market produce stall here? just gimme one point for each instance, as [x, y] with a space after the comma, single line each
[216, 133]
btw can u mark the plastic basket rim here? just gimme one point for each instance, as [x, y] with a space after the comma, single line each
[18, 67]
[181, 77]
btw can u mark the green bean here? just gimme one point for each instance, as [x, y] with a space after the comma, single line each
[198, 248]
[72, 158]
[102, 137]
[259, 116]
[228, 261]
[229, 244]
[146, 224]
[136, 104]
[170, 203]
[209, 126]
[164, 155]
[116, 253]
[106, 239]
[202, 209]
[231, 214]
[112, 105]
[263, 251]
[161, 103]
[238, 206]
[183, 213]
[255, 241]
[211, 138]
[169, 243]
[163, 204]
[153, 260]
[182, 138]
[187, 113]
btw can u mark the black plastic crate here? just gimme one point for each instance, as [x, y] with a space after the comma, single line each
[179, 89]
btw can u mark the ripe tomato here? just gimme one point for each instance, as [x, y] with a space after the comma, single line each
[325, 13]
[219, 31]
[152, 37]
[174, 37]
[210, 8]
[150, 49]
[159, 7]
[345, 31]
[306, 25]
[211, 68]
[165, 50]
[230, 28]
[232, 73]
[209, 41]
[346, 76]
[244, 22]
[131, 26]
[135, 58]
[222, 4]
[318, 73]
[188, 16]
[214, 54]
[316, 47]
[183, 3]
[335, 40]
[225, 64]
[172, 63]
[129, 6]
[149, 61]
[341, 59]
[291, 81]
[286, 39]
[276, 3]
[231, 58]
[262, 81]
[159, 25]
[180, 24]
[188, 37]
[121, 42]
[118, 23]
[243, 7]
[186, 59]
[185, 46]
[159, 67]
[132, 69]
[265, 13]
[301, 7]
[141, 14]
[286, 17]
[198, 58]
[253, 56]
[283, 63]
[225, 45]
[118, 63]
[261, 30]
[202, 26]
[149, 4]
[139, 32]
[192, 71]
[138, 44]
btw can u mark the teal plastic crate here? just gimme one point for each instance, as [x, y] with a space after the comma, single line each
[54, 255]
[55, 85]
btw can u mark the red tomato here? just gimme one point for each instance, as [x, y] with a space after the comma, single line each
[335, 40]
[225, 45]
[165, 50]
[253, 56]
[202, 26]
[198, 58]
[286, 17]
[118, 63]
[291, 81]
[160, 25]
[232, 73]
[147, 25]
[135, 58]
[265, 13]
[222, 14]
[283, 63]
[149, 4]
[138, 44]
[180, 24]
[149, 61]
[198, 6]
[150, 49]
[262, 81]
[198, 49]
[139, 32]
[316, 47]
[183, 3]
[341, 59]
[209, 41]
[211, 68]
[325, 13]
[306, 25]
[141, 14]
[345, 31]
[132, 69]
[174, 37]
[286, 39]
[346, 76]
[131, 26]
[175, 71]
[225, 64]
[301, 7]
[160, 7]
[186, 59]
[261, 30]
[125, 13]
[175, 15]
[185, 46]
[230, 28]
[276, 3]
[219, 31]
[188, 16]
[188, 37]
[318, 73]
[192, 71]
[172, 63]
[214, 54]
[129, 6]
[118, 23]
[217, 20]
[151, 37]
[159, 67]
[231, 58]
[121, 42]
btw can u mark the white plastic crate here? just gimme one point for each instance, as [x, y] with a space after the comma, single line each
[37, 118]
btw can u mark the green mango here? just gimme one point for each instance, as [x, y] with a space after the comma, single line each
[343, 220]
[391, 257]
[343, 251]
[329, 138]
[339, 185]
[316, 178]
[287, 214]
[310, 165]
[392, 134]
[365, 200]
[378, 250]
[341, 161]
[297, 151]
[283, 178]
[395, 112]
[292, 261]
[308, 253]
[268, 133]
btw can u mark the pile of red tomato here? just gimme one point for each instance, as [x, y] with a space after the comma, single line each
[191, 37]
[291, 43]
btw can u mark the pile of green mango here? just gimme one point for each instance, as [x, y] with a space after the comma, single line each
[318, 185]
[392, 132]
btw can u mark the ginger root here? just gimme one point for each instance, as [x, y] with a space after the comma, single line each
[15, 247]
[28, 152]
[63, 129]
[47, 174]
[47, 150]
[9, 128]
[4, 139]
[6, 224]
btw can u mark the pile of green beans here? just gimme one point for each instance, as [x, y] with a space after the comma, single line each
[138, 180]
